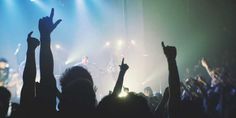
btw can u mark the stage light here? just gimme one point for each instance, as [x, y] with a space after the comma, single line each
[80, 4]
[132, 42]
[119, 42]
[67, 62]
[10, 3]
[107, 44]
[123, 94]
[41, 4]
[58, 46]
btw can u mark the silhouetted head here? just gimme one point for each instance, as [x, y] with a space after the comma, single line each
[4, 101]
[78, 94]
[4, 69]
[131, 106]
[85, 60]
[3, 62]
[148, 91]
[73, 74]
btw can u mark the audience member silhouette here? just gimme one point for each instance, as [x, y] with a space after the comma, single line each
[153, 100]
[78, 96]
[174, 82]
[5, 96]
[27, 100]
[133, 105]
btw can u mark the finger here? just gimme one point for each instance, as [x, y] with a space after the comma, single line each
[52, 13]
[56, 23]
[29, 35]
[122, 61]
[163, 45]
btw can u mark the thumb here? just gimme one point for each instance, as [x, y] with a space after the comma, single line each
[56, 23]
[29, 35]
[163, 45]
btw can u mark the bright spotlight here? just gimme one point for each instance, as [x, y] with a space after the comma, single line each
[40, 4]
[119, 42]
[108, 44]
[67, 62]
[80, 4]
[123, 94]
[133, 42]
[58, 46]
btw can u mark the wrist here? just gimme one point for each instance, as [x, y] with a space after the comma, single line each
[44, 35]
[123, 70]
[171, 59]
[30, 50]
[45, 39]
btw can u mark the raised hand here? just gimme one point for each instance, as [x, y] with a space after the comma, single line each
[169, 51]
[119, 83]
[204, 63]
[46, 25]
[33, 43]
[29, 75]
[123, 66]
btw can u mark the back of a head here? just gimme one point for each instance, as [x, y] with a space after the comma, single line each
[73, 74]
[4, 101]
[131, 106]
[148, 91]
[4, 70]
[78, 95]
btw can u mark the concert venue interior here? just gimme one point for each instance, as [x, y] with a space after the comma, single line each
[105, 31]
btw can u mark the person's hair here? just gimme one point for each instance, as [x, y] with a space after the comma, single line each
[133, 105]
[78, 95]
[149, 90]
[73, 74]
[3, 60]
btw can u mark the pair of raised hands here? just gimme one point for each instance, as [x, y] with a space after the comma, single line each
[169, 51]
[46, 26]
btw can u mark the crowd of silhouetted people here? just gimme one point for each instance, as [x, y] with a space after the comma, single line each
[193, 98]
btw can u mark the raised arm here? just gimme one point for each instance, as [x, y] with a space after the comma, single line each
[46, 26]
[29, 74]
[207, 66]
[160, 111]
[47, 87]
[174, 82]
[119, 83]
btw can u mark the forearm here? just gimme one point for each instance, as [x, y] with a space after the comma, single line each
[46, 60]
[47, 86]
[174, 85]
[160, 109]
[29, 75]
[174, 81]
[119, 83]
[209, 70]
